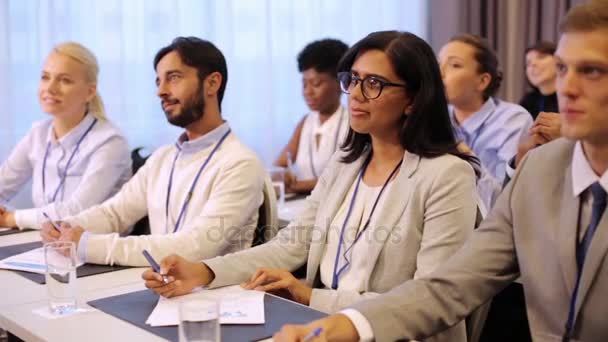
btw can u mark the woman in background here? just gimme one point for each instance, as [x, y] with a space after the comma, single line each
[487, 127]
[320, 132]
[77, 158]
[541, 73]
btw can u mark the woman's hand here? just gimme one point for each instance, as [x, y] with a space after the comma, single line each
[269, 280]
[183, 276]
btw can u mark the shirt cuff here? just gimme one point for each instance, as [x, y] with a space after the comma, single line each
[28, 218]
[82, 246]
[364, 329]
[510, 168]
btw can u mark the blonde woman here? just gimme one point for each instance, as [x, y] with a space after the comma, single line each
[75, 159]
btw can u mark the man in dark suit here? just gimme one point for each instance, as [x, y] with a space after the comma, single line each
[549, 225]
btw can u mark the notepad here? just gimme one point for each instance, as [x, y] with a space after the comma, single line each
[30, 261]
[237, 306]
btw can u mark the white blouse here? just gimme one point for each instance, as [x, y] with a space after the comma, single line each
[354, 277]
[312, 157]
[83, 168]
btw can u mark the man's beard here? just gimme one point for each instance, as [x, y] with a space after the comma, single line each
[192, 110]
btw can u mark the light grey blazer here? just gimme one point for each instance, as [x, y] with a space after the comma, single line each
[530, 232]
[423, 218]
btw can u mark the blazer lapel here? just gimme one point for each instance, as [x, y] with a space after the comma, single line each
[391, 207]
[593, 260]
[335, 195]
[566, 232]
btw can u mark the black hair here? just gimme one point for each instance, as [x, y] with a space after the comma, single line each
[543, 46]
[486, 59]
[322, 55]
[200, 54]
[427, 129]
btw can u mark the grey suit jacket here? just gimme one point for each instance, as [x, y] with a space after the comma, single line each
[423, 218]
[531, 231]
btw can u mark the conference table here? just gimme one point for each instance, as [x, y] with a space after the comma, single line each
[21, 299]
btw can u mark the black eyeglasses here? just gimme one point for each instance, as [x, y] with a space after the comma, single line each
[371, 86]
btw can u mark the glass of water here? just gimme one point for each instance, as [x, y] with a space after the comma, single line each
[60, 260]
[199, 320]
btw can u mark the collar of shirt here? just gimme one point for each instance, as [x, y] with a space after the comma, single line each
[322, 128]
[473, 123]
[72, 137]
[582, 173]
[186, 146]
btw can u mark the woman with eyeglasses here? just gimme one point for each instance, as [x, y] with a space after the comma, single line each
[77, 158]
[395, 202]
[319, 134]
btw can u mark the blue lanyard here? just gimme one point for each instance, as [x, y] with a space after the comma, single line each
[337, 273]
[63, 175]
[190, 192]
[313, 141]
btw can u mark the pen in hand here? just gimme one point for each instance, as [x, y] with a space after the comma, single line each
[155, 266]
[313, 334]
[52, 222]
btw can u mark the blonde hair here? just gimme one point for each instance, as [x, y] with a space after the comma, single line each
[89, 61]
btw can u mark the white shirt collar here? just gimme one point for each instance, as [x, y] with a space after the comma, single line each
[582, 173]
[202, 142]
[74, 135]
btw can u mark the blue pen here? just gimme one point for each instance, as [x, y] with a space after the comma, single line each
[313, 334]
[52, 222]
[154, 265]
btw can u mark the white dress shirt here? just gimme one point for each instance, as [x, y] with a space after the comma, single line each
[583, 177]
[99, 167]
[312, 158]
[220, 218]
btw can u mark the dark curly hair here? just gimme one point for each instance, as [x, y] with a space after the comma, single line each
[322, 55]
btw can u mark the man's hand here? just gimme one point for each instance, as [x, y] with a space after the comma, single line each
[70, 234]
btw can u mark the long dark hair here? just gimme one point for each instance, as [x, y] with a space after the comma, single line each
[427, 130]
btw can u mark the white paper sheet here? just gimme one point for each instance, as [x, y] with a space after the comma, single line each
[30, 261]
[2, 229]
[237, 306]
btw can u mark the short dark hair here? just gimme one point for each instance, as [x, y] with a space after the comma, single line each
[589, 16]
[200, 54]
[543, 46]
[427, 130]
[322, 55]
[486, 58]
